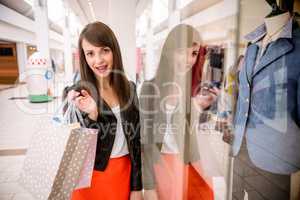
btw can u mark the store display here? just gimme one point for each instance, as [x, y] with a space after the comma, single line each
[267, 125]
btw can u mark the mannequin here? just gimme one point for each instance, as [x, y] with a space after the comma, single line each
[266, 126]
[274, 25]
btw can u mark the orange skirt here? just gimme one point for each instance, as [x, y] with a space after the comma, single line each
[178, 181]
[111, 184]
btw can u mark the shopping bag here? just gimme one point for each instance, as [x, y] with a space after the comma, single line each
[72, 165]
[59, 159]
[86, 173]
[71, 116]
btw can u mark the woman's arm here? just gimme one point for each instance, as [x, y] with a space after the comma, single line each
[136, 169]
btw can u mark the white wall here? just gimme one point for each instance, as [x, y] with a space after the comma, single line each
[221, 10]
[13, 33]
[18, 28]
[124, 28]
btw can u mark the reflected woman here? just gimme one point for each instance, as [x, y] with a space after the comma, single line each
[169, 141]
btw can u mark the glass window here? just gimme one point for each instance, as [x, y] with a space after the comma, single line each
[6, 51]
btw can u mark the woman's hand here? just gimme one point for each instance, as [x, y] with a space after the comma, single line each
[215, 91]
[136, 195]
[207, 99]
[84, 102]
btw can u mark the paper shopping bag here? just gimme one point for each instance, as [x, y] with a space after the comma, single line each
[54, 161]
[86, 173]
[77, 164]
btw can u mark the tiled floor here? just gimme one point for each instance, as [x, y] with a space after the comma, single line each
[19, 119]
[10, 167]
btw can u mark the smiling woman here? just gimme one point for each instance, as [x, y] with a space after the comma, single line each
[111, 108]
[99, 56]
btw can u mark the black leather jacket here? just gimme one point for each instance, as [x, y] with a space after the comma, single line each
[106, 123]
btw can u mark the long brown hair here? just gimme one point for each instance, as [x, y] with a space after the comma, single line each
[100, 35]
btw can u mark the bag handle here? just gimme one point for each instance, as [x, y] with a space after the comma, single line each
[71, 115]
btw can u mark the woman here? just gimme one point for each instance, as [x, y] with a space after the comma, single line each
[112, 108]
[170, 143]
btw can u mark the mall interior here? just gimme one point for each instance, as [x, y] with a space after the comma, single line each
[40, 56]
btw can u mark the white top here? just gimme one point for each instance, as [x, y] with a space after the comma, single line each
[120, 147]
[169, 143]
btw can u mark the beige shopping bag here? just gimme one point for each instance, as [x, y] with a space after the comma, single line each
[86, 173]
[54, 161]
[295, 186]
[77, 164]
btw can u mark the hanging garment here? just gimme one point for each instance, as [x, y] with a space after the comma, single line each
[198, 70]
[216, 60]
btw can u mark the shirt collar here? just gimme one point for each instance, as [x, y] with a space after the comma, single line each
[261, 31]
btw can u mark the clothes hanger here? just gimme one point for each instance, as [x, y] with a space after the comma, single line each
[275, 9]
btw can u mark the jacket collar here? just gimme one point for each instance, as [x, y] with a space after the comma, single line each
[256, 35]
[276, 49]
